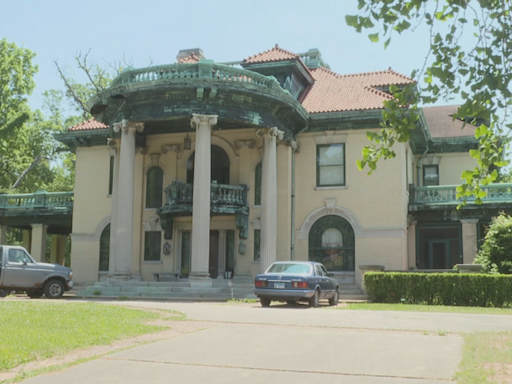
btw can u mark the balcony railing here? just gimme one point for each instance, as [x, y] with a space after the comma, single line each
[179, 193]
[38, 200]
[447, 194]
[201, 70]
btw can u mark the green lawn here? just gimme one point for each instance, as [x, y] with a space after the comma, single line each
[40, 329]
[487, 358]
[426, 308]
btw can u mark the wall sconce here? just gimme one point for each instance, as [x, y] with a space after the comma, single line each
[187, 143]
[241, 248]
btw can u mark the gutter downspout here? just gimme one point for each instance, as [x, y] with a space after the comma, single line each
[418, 165]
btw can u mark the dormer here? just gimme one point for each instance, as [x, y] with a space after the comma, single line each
[287, 67]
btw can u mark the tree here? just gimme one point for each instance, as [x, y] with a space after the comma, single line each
[495, 255]
[479, 72]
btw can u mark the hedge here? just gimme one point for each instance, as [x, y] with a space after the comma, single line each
[462, 289]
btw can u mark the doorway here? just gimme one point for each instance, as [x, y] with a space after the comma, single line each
[214, 254]
[438, 253]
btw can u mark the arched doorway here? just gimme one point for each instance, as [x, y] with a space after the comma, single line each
[332, 243]
[219, 166]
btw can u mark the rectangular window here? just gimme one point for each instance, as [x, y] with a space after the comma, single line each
[152, 246]
[111, 176]
[330, 164]
[257, 244]
[185, 253]
[430, 175]
[230, 251]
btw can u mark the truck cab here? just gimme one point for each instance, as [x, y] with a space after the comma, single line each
[21, 273]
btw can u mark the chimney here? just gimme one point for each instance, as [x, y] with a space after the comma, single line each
[188, 52]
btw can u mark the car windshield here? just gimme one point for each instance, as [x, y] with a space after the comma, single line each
[302, 269]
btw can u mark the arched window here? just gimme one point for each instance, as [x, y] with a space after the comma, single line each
[104, 249]
[154, 187]
[332, 243]
[257, 185]
[219, 166]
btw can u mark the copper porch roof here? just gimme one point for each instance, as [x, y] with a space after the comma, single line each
[88, 125]
[441, 124]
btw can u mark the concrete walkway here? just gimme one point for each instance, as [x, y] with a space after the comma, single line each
[285, 344]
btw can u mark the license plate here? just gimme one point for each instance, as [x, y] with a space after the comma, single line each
[279, 285]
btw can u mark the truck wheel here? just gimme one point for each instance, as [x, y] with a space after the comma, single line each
[3, 292]
[54, 289]
[35, 294]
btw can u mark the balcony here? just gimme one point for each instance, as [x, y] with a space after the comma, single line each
[41, 200]
[224, 200]
[446, 195]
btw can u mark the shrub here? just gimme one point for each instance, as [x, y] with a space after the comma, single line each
[495, 255]
[472, 290]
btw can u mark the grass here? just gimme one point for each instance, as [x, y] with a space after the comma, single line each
[39, 330]
[427, 308]
[486, 358]
[242, 301]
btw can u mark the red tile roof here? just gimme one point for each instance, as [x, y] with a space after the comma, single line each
[88, 125]
[441, 124]
[337, 93]
[192, 59]
[275, 54]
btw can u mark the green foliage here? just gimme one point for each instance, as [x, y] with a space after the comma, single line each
[495, 254]
[480, 73]
[454, 289]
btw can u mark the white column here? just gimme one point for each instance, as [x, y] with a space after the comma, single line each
[124, 210]
[38, 250]
[3, 235]
[61, 249]
[199, 274]
[27, 240]
[469, 240]
[269, 196]
[113, 151]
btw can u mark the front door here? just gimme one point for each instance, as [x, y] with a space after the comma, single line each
[439, 254]
[214, 254]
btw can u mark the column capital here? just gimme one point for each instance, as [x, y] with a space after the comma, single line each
[198, 120]
[469, 221]
[270, 132]
[128, 126]
[38, 225]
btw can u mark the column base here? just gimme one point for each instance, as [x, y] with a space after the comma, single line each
[118, 278]
[200, 281]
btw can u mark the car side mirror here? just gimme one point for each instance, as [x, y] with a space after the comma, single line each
[330, 274]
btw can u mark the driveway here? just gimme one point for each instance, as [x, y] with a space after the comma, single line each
[285, 344]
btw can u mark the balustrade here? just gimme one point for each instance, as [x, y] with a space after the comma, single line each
[41, 199]
[447, 194]
[194, 71]
[179, 193]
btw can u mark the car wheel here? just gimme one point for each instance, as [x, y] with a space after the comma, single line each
[265, 302]
[54, 289]
[35, 294]
[335, 298]
[313, 302]
[3, 292]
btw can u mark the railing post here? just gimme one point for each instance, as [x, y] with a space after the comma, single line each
[40, 198]
[3, 200]
[206, 68]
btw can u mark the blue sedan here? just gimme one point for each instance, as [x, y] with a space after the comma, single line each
[293, 281]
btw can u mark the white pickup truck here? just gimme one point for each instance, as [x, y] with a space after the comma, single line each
[21, 273]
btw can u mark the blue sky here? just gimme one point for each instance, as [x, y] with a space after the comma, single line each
[226, 30]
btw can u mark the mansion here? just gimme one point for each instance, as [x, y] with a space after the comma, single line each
[201, 172]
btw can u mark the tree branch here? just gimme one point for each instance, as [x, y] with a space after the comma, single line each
[71, 91]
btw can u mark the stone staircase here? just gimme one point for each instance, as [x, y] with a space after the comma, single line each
[181, 290]
[351, 292]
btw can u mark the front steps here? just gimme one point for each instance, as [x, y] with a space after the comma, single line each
[222, 290]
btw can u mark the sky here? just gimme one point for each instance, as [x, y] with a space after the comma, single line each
[154, 31]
